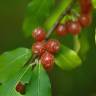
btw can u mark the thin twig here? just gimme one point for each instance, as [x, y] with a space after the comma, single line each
[64, 13]
[60, 18]
[31, 60]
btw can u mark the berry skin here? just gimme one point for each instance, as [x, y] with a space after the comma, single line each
[20, 88]
[39, 34]
[73, 27]
[86, 6]
[61, 30]
[85, 20]
[52, 46]
[47, 59]
[38, 48]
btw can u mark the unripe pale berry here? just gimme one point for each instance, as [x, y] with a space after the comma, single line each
[20, 88]
[61, 30]
[52, 46]
[39, 34]
[38, 48]
[47, 59]
[85, 20]
[73, 27]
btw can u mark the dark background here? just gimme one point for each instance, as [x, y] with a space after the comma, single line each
[78, 82]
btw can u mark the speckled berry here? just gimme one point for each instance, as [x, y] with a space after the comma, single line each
[61, 30]
[38, 48]
[47, 59]
[52, 46]
[73, 27]
[39, 34]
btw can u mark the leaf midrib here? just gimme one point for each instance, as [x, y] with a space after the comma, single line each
[38, 80]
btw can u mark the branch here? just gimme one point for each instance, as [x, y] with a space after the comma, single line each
[63, 14]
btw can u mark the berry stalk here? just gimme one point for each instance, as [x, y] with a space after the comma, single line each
[64, 13]
[60, 18]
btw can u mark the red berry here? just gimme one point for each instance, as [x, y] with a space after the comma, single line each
[39, 34]
[53, 46]
[47, 59]
[85, 20]
[38, 48]
[86, 6]
[61, 30]
[20, 88]
[73, 27]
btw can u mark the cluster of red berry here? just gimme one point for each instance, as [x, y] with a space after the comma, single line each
[74, 27]
[45, 49]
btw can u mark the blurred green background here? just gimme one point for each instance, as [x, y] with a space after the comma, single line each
[78, 82]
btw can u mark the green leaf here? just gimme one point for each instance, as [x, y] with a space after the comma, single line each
[84, 43]
[11, 62]
[95, 36]
[40, 84]
[56, 13]
[94, 3]
[37, 13]
[9, 88]
[87, 38]
[67, 59]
